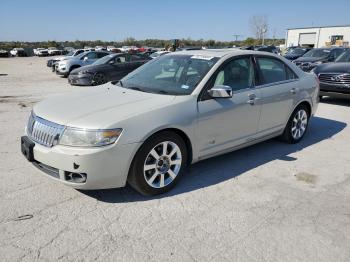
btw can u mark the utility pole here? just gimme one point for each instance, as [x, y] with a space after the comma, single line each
[236, 37]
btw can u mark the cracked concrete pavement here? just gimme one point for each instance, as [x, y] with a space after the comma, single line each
[268, 202]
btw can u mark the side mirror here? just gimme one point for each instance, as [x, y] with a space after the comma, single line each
[220, 91]
[111, 62]
[85, 58]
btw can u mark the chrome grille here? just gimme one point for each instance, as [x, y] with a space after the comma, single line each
[338, 79]
[43, 132]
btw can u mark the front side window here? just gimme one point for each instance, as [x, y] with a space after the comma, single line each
[237, 74]
[344, 57]
[119, 59]
[271, 70]
[170, 74]
[91, 55]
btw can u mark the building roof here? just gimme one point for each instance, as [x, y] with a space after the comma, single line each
[310, 27]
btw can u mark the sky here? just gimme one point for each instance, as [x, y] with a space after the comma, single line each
[107, 20]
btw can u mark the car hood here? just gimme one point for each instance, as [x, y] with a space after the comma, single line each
[310, 59]
[99, 107]
[334, 68]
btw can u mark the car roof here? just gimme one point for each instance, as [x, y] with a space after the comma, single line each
[221, 52]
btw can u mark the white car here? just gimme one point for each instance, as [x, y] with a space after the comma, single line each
[173, 111]
[16, 51]
[53, 51]
[41, 52]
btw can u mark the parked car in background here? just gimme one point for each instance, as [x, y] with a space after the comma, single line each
[41, 52]
[4, 53]
[128, 48]
[52, 62]
[53, 51]
[36, 50]
[335, 77]
[295, 53]
[318, 56]
[100, 48]
[64, 67]
[18, 51]
[111, 67]
[173, 111]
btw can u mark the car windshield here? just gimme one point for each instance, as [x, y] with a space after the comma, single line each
[317, 53]
[344, 57]
[103, 60]
[70, 53]
[296, 51]
[170, 74]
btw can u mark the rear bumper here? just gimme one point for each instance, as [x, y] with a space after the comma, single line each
[80, 80]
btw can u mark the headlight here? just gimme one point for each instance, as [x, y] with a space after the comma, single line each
[89, 138]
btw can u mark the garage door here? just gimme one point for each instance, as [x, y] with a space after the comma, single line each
[307, 39]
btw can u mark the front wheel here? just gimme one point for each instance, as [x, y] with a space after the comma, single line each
[297, 125]
[158, 164]
[98, 79]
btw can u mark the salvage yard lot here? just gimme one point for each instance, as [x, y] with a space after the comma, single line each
[268, 202]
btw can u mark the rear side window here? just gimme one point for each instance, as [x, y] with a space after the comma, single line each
[273, 70]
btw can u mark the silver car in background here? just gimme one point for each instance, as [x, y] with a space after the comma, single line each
[64, 67]
[175, 110]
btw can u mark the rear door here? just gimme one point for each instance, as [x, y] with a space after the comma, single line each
[278, 88]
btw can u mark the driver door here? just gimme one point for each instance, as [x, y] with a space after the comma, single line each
[224, 123]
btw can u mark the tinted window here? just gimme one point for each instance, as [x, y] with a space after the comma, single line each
[100, 55]
[337, 52]
[91, 55]
[119, 59]
[272, 70]
[238, 74]
[136, 58]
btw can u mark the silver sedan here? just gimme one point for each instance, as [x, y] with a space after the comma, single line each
[175, 110]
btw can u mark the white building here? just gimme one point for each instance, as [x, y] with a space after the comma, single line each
[318, 36]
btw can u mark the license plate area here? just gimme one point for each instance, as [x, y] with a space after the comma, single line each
[27, 148]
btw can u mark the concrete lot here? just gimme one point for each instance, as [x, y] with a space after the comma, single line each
[269, 202]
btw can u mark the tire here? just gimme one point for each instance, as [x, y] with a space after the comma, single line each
[98, 79]
[154, 172]
[297, 125]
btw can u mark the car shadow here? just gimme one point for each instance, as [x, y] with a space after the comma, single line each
[228, 166]
[336, 101]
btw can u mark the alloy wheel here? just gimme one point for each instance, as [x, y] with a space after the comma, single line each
[299, 124]
[162, 164]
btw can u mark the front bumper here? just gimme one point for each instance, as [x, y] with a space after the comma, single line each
[334, 90]
[80, 80]
[104, 167]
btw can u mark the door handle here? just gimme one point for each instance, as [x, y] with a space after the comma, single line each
[294, 90]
